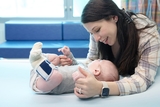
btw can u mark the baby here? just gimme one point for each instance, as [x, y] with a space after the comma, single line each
[48, 77]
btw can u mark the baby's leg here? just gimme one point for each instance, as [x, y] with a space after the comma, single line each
[53, 58]
[49, 76]
[46, 86]
[47, 80]
[38, 84]
[36, 56]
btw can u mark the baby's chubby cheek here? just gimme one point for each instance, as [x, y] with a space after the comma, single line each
[76, 75]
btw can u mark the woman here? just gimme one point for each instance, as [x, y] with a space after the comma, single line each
[130, 41]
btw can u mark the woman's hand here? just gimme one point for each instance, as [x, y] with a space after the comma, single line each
[87, 87]
[64, 60]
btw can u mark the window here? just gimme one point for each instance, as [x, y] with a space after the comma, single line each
[58, 9]
[31, 8]
[118, 2]
[78, 6]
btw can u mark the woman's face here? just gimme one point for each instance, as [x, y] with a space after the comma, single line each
[103, 31]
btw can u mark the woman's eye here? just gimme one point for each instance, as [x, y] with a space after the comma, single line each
[97, 30]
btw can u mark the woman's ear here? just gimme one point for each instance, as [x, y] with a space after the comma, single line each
[115, 18]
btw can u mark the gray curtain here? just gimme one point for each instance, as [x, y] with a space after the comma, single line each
[150, 8]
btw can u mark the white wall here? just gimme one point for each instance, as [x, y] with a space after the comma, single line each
[2, 32]
[2, 29]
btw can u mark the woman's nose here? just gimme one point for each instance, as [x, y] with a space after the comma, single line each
[96, 37]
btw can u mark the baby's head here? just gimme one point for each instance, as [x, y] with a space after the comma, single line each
[104, 70]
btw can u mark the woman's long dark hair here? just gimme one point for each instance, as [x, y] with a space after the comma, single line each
[127, 34]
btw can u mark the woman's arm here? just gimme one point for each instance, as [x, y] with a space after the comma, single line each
[91, 86]
[93, 50]
[145, 72]
[149, 49]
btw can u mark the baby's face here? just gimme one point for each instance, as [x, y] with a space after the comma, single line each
[96, 64]
[103, 70]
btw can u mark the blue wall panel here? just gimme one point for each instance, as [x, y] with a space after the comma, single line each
[74, 31]
[33, 31]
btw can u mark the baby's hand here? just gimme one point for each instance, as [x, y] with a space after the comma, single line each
[76, 75]
[65, 50]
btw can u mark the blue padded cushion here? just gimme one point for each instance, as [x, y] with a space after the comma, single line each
[21, 49]
[29, 30]
[74, 31]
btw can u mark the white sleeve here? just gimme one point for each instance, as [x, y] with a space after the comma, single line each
[93, 50]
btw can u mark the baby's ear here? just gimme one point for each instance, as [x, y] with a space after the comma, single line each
[97, 72]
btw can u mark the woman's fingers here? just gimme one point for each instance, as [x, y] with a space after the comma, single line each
[85, 73]
[89, 85]
[80, 83]
[79, 94]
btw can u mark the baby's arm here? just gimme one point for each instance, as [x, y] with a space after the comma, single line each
[66, 51]
[54, 58]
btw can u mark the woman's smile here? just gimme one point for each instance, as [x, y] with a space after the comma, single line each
[105, 41]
